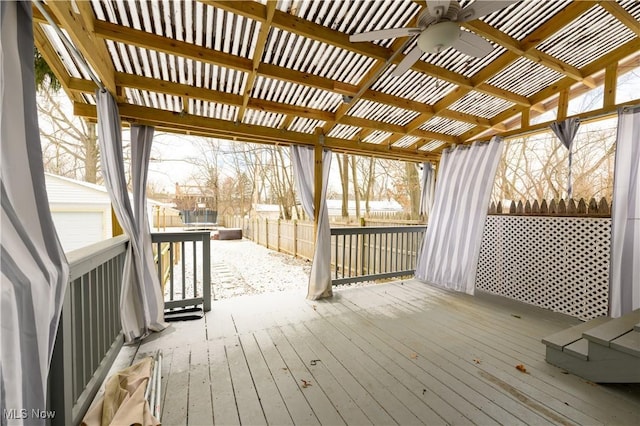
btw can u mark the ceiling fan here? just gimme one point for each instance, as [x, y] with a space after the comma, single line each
[439, 28]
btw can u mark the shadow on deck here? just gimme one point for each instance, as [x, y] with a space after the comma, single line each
[402, 352]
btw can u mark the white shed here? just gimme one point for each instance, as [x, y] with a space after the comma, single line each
[81, 211]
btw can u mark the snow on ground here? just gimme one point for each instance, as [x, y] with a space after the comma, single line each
[242, 267]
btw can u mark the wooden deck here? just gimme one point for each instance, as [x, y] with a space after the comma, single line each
[399, 353]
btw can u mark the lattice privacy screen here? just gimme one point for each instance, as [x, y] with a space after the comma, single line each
[558, 263]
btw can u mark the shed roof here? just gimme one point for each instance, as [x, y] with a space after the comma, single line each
[285, 71]
[64, 190]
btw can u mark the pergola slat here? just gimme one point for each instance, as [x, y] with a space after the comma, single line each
[283, 69]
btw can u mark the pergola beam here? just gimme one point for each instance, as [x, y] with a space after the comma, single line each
[621, 15]
[80, 27]
[257, 56]
[312, 30]
[208, 95]
[193, 124]
[627, 49]
[57, 67]
[190, 51]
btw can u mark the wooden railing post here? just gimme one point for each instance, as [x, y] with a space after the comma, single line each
[206, 272]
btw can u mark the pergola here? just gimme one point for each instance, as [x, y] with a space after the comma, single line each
[285, 72]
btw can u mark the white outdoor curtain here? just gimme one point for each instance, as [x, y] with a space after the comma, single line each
[566, 131]
[33, 265]
[427, 189]
[141, 302]
[303, 172]
[624, 272]
[449, 254]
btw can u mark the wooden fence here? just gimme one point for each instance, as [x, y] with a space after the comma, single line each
[294, 237]
[572, 208]
[358, 253]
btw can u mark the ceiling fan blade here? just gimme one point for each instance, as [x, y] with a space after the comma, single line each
[480, 8]
[382, 34]
[472, 45]
[411, 58]
[438, 8]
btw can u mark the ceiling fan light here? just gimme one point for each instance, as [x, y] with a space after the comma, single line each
[438, 36]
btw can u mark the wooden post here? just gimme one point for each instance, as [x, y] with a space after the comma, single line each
[525, 118]
[610, 84]
[295, 238]
[563, 104]
[266, 232]
[317, 180]
[279, 230]
[116, 229]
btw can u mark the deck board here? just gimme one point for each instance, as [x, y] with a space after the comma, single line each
[175, 407]
[222, 395]
[275, 410]
[297, 404]
[340, 398]
[397, 353]
[312, 391]
[246, 396]
[494, 383]
[362, 396]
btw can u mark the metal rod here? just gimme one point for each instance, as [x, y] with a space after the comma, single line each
[70, 47]
[159, 381]
[147, 392]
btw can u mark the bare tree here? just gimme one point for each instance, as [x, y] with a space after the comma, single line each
[70, 144]
[536, 168]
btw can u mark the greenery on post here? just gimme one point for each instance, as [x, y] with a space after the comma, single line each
[45, 78]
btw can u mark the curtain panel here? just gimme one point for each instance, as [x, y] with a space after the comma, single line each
[302, 159]
[624, 272]
[449, 254]
[141, 302]
[427, 188]
[566, 131]
[33, 265]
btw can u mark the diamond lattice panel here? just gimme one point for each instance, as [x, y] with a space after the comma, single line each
[558, 263]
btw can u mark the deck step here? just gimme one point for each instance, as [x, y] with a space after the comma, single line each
[637, 327]
[603, 334]
[566, 337]
[628, 343]
[579, 349]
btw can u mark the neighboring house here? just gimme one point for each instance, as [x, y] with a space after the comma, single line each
[272, 211]
[81, 211]
[335, 207]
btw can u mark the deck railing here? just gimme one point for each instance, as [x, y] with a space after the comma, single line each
[89, 334]
[358, 254]
[369, 253]
[188, 284]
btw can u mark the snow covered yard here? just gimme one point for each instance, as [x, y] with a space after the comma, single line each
[240, 267]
